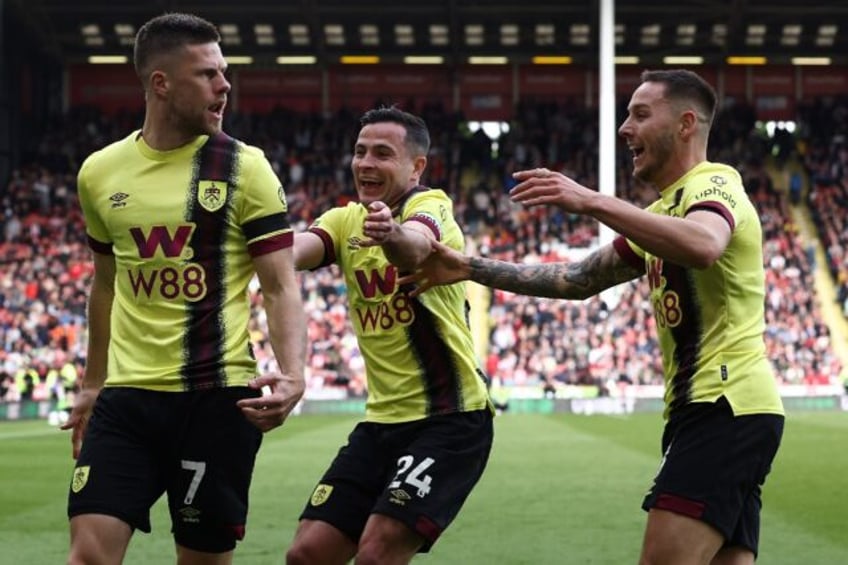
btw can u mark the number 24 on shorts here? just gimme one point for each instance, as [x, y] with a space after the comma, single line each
[415, 477]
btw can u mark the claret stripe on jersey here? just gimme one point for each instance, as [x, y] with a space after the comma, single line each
[687, 335]
[439, 371]
[203, 346]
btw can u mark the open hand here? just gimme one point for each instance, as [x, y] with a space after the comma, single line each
[443, 266]
[538, 187]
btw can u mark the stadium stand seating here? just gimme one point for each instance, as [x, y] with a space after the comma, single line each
[553, 346]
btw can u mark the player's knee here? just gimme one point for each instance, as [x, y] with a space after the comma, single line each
[87, 556]
[656, 552]
[376, 551]
[75, 558]
[302, 554]
[370, 555]
[734, 556]
[87, 549]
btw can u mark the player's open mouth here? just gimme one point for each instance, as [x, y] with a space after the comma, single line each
[217, 109]
[637, 152]
[370, 185]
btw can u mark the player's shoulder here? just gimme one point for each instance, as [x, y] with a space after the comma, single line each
[352, 210]
[424, 195]
[430, 200]
[115, 150]
[247, 151]
[340, 218]
[719, 174]
[110, 158]
[422, 191]
[719, 184]
[252, 160]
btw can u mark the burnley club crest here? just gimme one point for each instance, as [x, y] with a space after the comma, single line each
[211, 194]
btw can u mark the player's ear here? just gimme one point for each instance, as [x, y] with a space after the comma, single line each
[688, 123]
[158, 83]
[418, 166]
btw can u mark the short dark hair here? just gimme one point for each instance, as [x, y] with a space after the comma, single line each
[167, 33]
[681, 84]
[417, 134]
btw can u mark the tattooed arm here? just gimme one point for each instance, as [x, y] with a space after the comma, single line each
[600, 270]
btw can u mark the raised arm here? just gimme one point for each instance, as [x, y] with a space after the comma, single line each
[405, 245]
[598, 271]
[697, 240]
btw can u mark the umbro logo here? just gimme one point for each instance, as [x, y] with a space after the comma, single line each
[353, 243]
[399, 496]
[119, 199]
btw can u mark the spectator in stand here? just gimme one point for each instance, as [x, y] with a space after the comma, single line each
[56, 241]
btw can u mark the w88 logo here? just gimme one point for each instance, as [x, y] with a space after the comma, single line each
[187, 282]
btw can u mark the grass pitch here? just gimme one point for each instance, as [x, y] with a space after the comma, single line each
[559, 490]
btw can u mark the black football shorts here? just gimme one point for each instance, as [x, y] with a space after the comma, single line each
[714, 467]
[197, 446]
[419, 473]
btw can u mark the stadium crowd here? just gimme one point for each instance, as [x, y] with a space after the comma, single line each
[605, 341]
[826, 163]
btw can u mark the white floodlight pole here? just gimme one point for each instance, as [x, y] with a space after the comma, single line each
[607, 134]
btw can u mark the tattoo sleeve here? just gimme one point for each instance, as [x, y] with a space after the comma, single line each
[600, 270]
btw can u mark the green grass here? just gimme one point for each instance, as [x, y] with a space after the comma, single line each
[560, 489]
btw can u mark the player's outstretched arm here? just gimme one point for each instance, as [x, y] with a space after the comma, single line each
[600, 270]
[405, 245]
[444, 265]
[696, 241]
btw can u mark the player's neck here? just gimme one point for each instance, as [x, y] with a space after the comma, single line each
[679, 165]
[163, 137]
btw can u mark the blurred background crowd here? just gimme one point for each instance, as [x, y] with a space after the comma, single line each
[549, 346]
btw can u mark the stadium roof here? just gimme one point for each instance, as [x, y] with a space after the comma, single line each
[458, 29]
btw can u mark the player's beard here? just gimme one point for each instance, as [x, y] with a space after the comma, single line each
[661, 152]
[192, 124]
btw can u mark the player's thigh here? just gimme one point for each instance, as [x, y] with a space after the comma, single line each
[98, 538]
[757, 440]
[388, 541]
[119, 469]
[734, 556]
[345, 495]
[316, 541]
[674, 538]
[186, 556]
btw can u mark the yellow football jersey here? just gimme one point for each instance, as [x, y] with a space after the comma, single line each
[710, 322]
[183, 226]
[419, 355]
